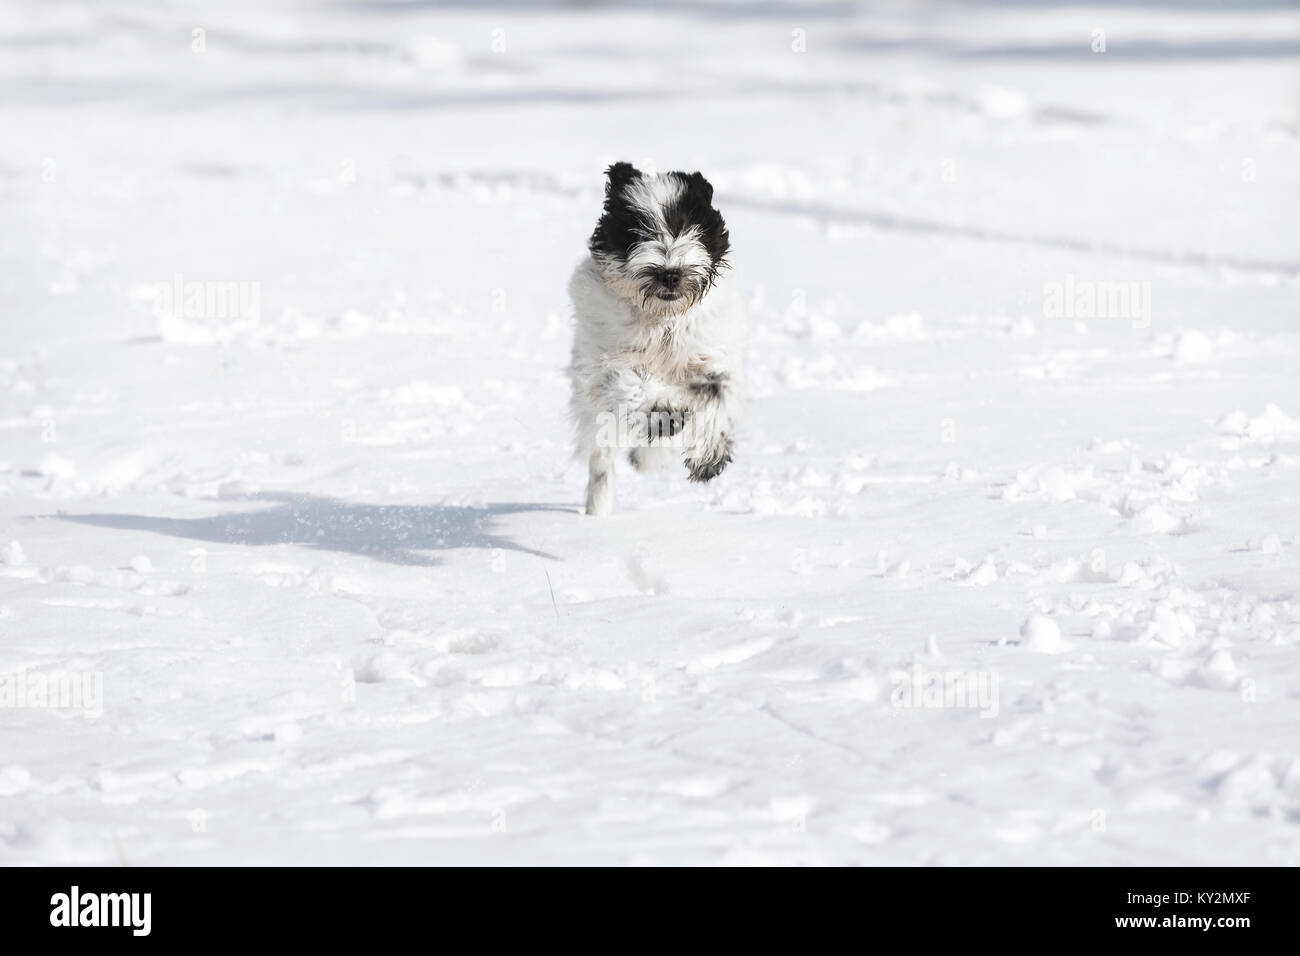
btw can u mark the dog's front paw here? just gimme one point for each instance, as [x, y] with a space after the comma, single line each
[711, 463]
[664, 423]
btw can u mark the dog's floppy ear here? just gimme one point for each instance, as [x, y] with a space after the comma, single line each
[702, 185]
[620, 174]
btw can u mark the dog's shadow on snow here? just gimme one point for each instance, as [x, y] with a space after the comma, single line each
[395, 534]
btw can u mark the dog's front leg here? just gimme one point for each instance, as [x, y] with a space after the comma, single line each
[714, 402]
[600, 482]
[622, 395]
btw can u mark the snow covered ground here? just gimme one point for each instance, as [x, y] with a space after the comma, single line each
[1005, 570]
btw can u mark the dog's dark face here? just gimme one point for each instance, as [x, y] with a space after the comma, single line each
[659, 242]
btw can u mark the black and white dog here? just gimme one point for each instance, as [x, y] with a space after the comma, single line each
[659, 346]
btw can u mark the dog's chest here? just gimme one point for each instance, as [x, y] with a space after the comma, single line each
[674, 354]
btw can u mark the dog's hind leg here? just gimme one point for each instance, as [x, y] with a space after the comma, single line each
[651, 459]
[600, 482]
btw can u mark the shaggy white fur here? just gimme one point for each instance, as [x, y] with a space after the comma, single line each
[629, 362]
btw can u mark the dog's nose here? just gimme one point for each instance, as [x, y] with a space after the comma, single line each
[671, 278]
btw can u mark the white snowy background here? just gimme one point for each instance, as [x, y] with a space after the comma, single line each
[329, 557]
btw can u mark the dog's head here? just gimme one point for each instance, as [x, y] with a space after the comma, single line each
[660, 243]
